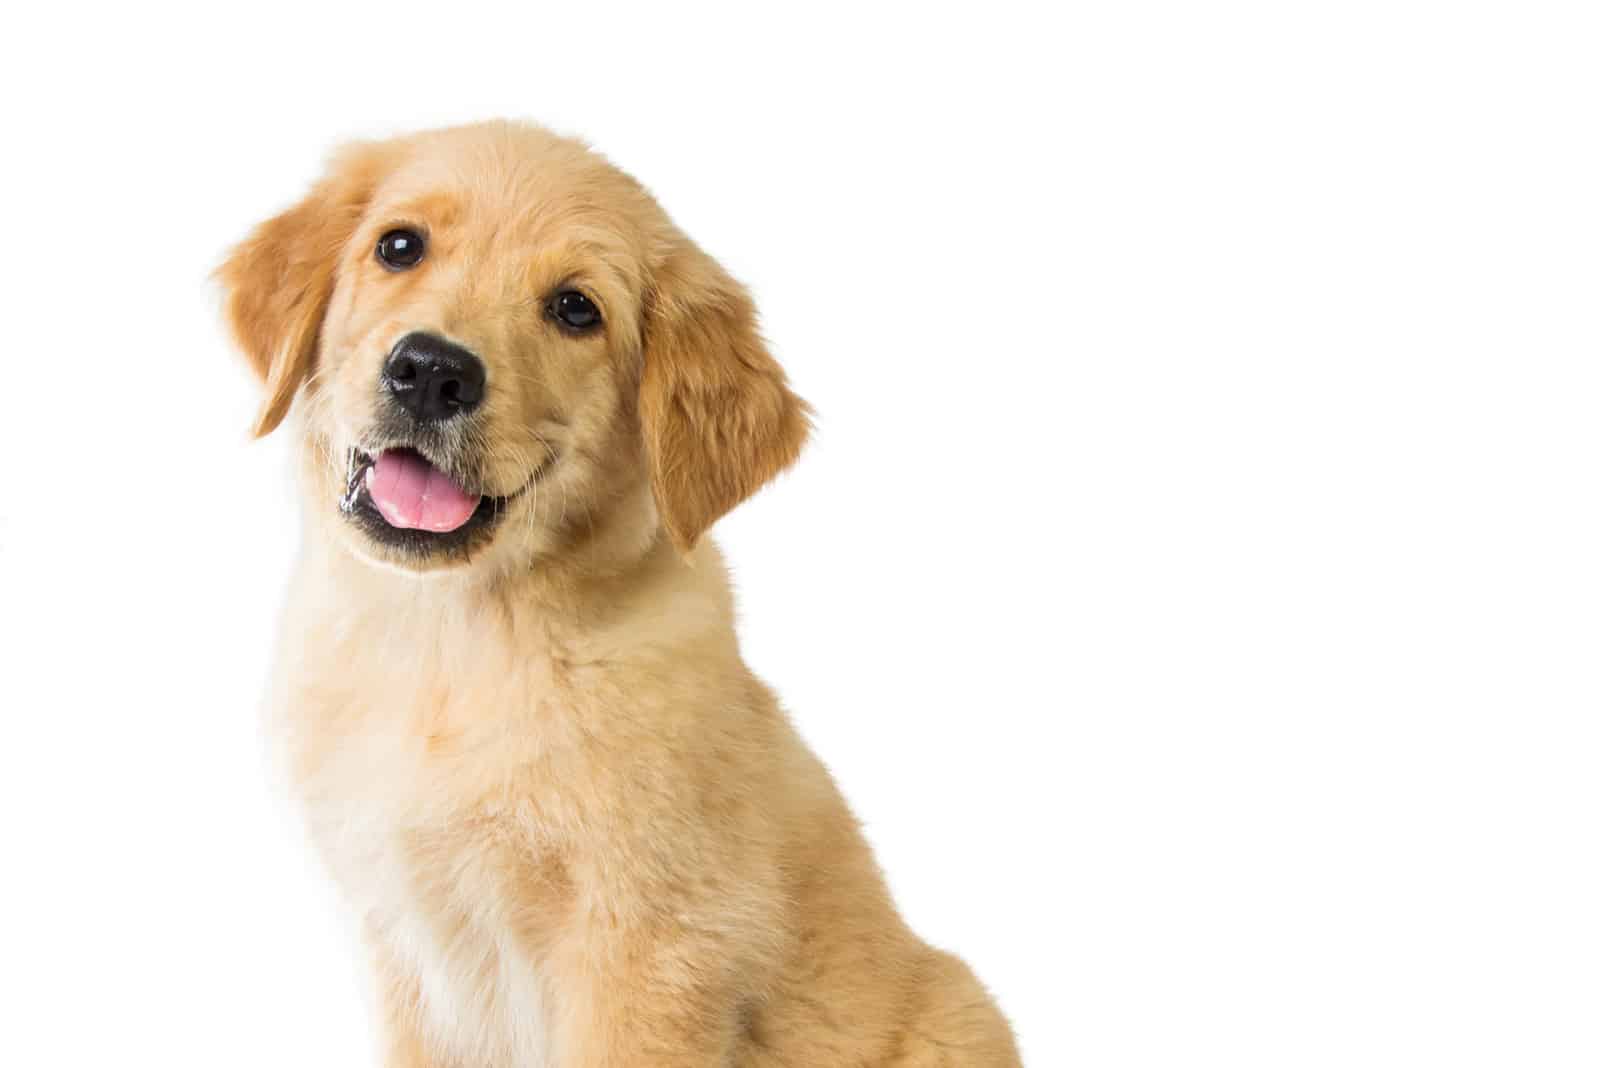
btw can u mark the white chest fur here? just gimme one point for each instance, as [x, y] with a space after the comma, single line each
[428, 885]
[480, 997]
[403, 773]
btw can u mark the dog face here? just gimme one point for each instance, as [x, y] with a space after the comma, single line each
[498, 347]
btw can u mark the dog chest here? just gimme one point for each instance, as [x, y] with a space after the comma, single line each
[445, 911]
[481, 998]
[445, 891]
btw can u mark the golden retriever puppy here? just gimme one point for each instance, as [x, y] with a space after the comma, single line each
[578, 831]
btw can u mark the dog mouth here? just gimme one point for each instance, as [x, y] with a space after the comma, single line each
[402, 499]
[409, 492]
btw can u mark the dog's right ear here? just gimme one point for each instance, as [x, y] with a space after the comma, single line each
[278, 281]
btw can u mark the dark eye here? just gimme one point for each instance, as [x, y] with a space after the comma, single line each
[574, 310]
[400, 250]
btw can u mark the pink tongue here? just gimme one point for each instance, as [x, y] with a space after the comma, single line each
[414, 495]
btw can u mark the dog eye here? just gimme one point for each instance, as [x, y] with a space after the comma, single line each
[575, 310]
[400, 250]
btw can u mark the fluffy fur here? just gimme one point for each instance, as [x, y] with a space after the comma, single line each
[578, 830]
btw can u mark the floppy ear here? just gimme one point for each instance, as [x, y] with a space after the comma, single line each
[718, 417]
[278, 281]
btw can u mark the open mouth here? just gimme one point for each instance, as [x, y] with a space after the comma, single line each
[401, 499]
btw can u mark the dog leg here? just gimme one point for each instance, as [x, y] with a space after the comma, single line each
[650, 1005]
[399, 1014]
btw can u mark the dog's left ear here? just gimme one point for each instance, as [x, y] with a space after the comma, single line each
[718, 416]
[278, 281]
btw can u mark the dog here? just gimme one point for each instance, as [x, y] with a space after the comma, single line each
[508, 696]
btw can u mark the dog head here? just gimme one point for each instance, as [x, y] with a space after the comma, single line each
[495, 344]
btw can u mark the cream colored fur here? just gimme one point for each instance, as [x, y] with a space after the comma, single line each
[579, 832]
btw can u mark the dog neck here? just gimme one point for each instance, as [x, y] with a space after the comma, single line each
[605, 587]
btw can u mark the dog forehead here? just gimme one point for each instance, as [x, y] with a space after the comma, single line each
[506, 173]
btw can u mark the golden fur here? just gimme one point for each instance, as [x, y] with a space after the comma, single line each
[578, 830]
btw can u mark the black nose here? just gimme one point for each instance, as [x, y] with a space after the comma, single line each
[432, 378]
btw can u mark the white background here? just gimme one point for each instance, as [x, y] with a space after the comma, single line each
[1193, 582]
